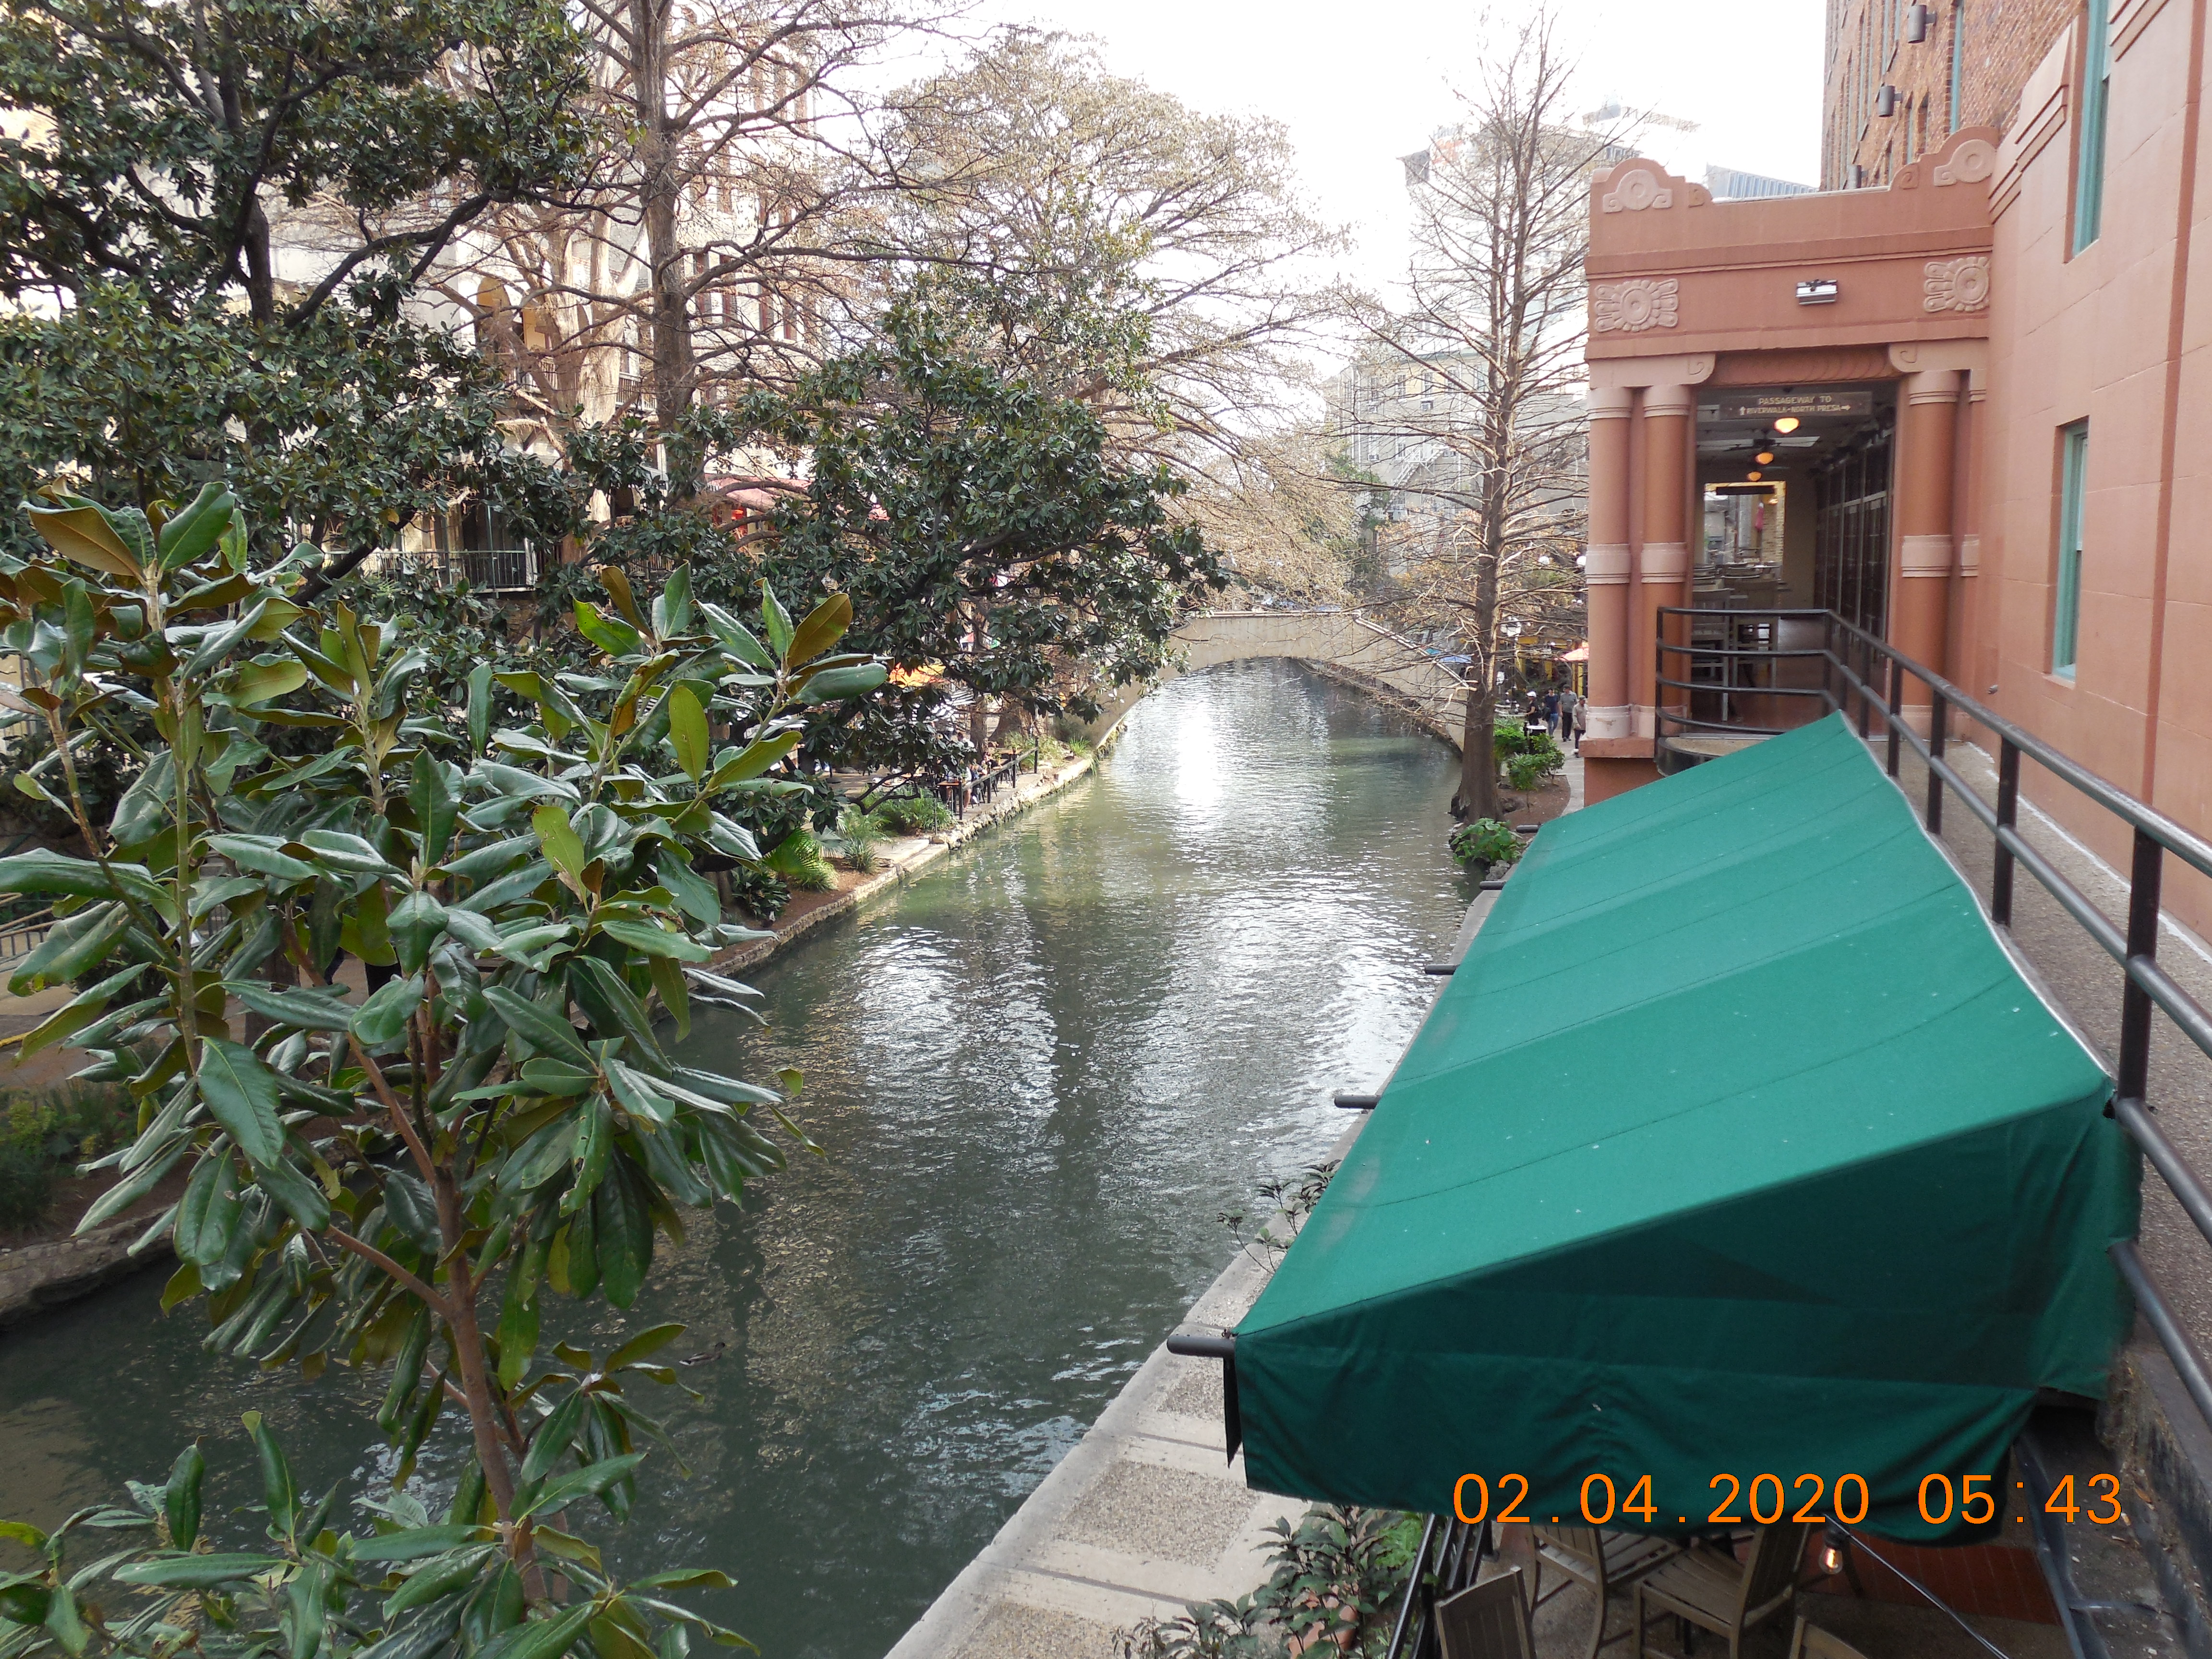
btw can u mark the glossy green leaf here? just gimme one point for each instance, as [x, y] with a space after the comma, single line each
[74, 945]
[832, 684]
[300, 1010]
[180, 1498]
[241, 1092]
[383, 1018]
[823, 627]
[563, 850]
[539, 1027]
[623, 1228]
[587, 1482]
[417, 1543]
[265, 853]
[687, 731]
[194, 532]
[656, 941]
[430, 792]
[775, 622]
[197, 1571]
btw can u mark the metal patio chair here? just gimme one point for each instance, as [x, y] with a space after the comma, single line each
[1488, 1620]
[1603, 1561]
[1718, 1593]
[1811, 1642]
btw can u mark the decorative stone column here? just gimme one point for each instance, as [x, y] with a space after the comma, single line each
[1663, 569]
[1927, 537]
[1606, 566]
[1967, 665]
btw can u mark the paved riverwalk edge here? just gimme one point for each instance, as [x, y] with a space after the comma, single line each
[903, 860]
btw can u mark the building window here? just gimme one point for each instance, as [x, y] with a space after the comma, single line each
[2066, 598]
[2096, 87]
[1958, 60]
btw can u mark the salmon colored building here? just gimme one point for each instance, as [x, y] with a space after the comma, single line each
[1962, 397]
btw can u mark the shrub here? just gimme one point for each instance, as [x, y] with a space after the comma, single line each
[1485, 841]
[798, 859]
[44, 1131]
[914, 815]
[1338, 1578]
[861, 834]
[759, 892]
[1530, 771]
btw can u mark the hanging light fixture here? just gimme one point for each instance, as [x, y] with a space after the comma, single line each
[1753, 474]
[1765, 458]
[1787, 423]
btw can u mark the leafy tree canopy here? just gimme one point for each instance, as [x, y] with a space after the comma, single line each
[214, 217]
[979, 523]
[161, 143]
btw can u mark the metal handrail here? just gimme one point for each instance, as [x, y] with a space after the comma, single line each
[2147, 985]
[1451, 1556]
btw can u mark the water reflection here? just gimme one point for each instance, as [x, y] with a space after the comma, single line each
[1041, 1074]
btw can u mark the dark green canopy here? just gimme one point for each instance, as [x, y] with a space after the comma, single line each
[1737, 1145]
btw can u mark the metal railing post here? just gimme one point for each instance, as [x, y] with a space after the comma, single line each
[2143, 881]
[1896, 705]
[1937, 708]
[1864, 669]
[2007, 818]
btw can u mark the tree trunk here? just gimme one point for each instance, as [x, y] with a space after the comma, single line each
[669, 300]
[1478, 761]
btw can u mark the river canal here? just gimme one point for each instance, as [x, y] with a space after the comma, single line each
[1042, 1072]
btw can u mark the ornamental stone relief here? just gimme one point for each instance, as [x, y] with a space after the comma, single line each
[1635, 192]
[1970, 162]
[1960, 284]
[1631, 306]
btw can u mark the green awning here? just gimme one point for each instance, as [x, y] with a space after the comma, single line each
[1736, 1145]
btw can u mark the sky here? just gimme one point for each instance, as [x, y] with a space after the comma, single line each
[1360, 84]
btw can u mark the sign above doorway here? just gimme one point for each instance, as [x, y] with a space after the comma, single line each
[1770, 406]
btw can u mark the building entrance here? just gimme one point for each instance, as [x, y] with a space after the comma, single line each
[1850, 546]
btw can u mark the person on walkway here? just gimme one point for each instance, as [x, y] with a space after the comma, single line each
[1550, 710]
[1580, 720]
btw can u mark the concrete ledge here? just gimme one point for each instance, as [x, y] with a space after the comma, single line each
[47, 1274]
[2162, 1446]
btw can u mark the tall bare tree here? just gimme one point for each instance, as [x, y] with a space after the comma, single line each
[1493, 323]
[722, 233]
[1112, 243]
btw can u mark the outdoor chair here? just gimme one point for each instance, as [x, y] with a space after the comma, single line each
[1488, 1620]
[1714, 1591]
[1811, 1642]
[1604, 1561]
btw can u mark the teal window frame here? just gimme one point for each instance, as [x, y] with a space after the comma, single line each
[2096, 98]
[2066, 592]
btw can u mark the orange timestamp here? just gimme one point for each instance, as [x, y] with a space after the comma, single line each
[1764, 1499]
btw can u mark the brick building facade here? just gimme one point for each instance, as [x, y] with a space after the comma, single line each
[1967, 70]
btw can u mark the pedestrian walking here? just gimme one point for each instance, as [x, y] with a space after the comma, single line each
[1550, 707]
[1580, 719]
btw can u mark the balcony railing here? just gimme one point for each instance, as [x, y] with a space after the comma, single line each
[487, 569]
[1767, 671]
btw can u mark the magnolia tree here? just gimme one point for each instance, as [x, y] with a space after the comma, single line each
[401, 1182]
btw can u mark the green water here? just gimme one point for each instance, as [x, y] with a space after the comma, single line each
[1042, 1072]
